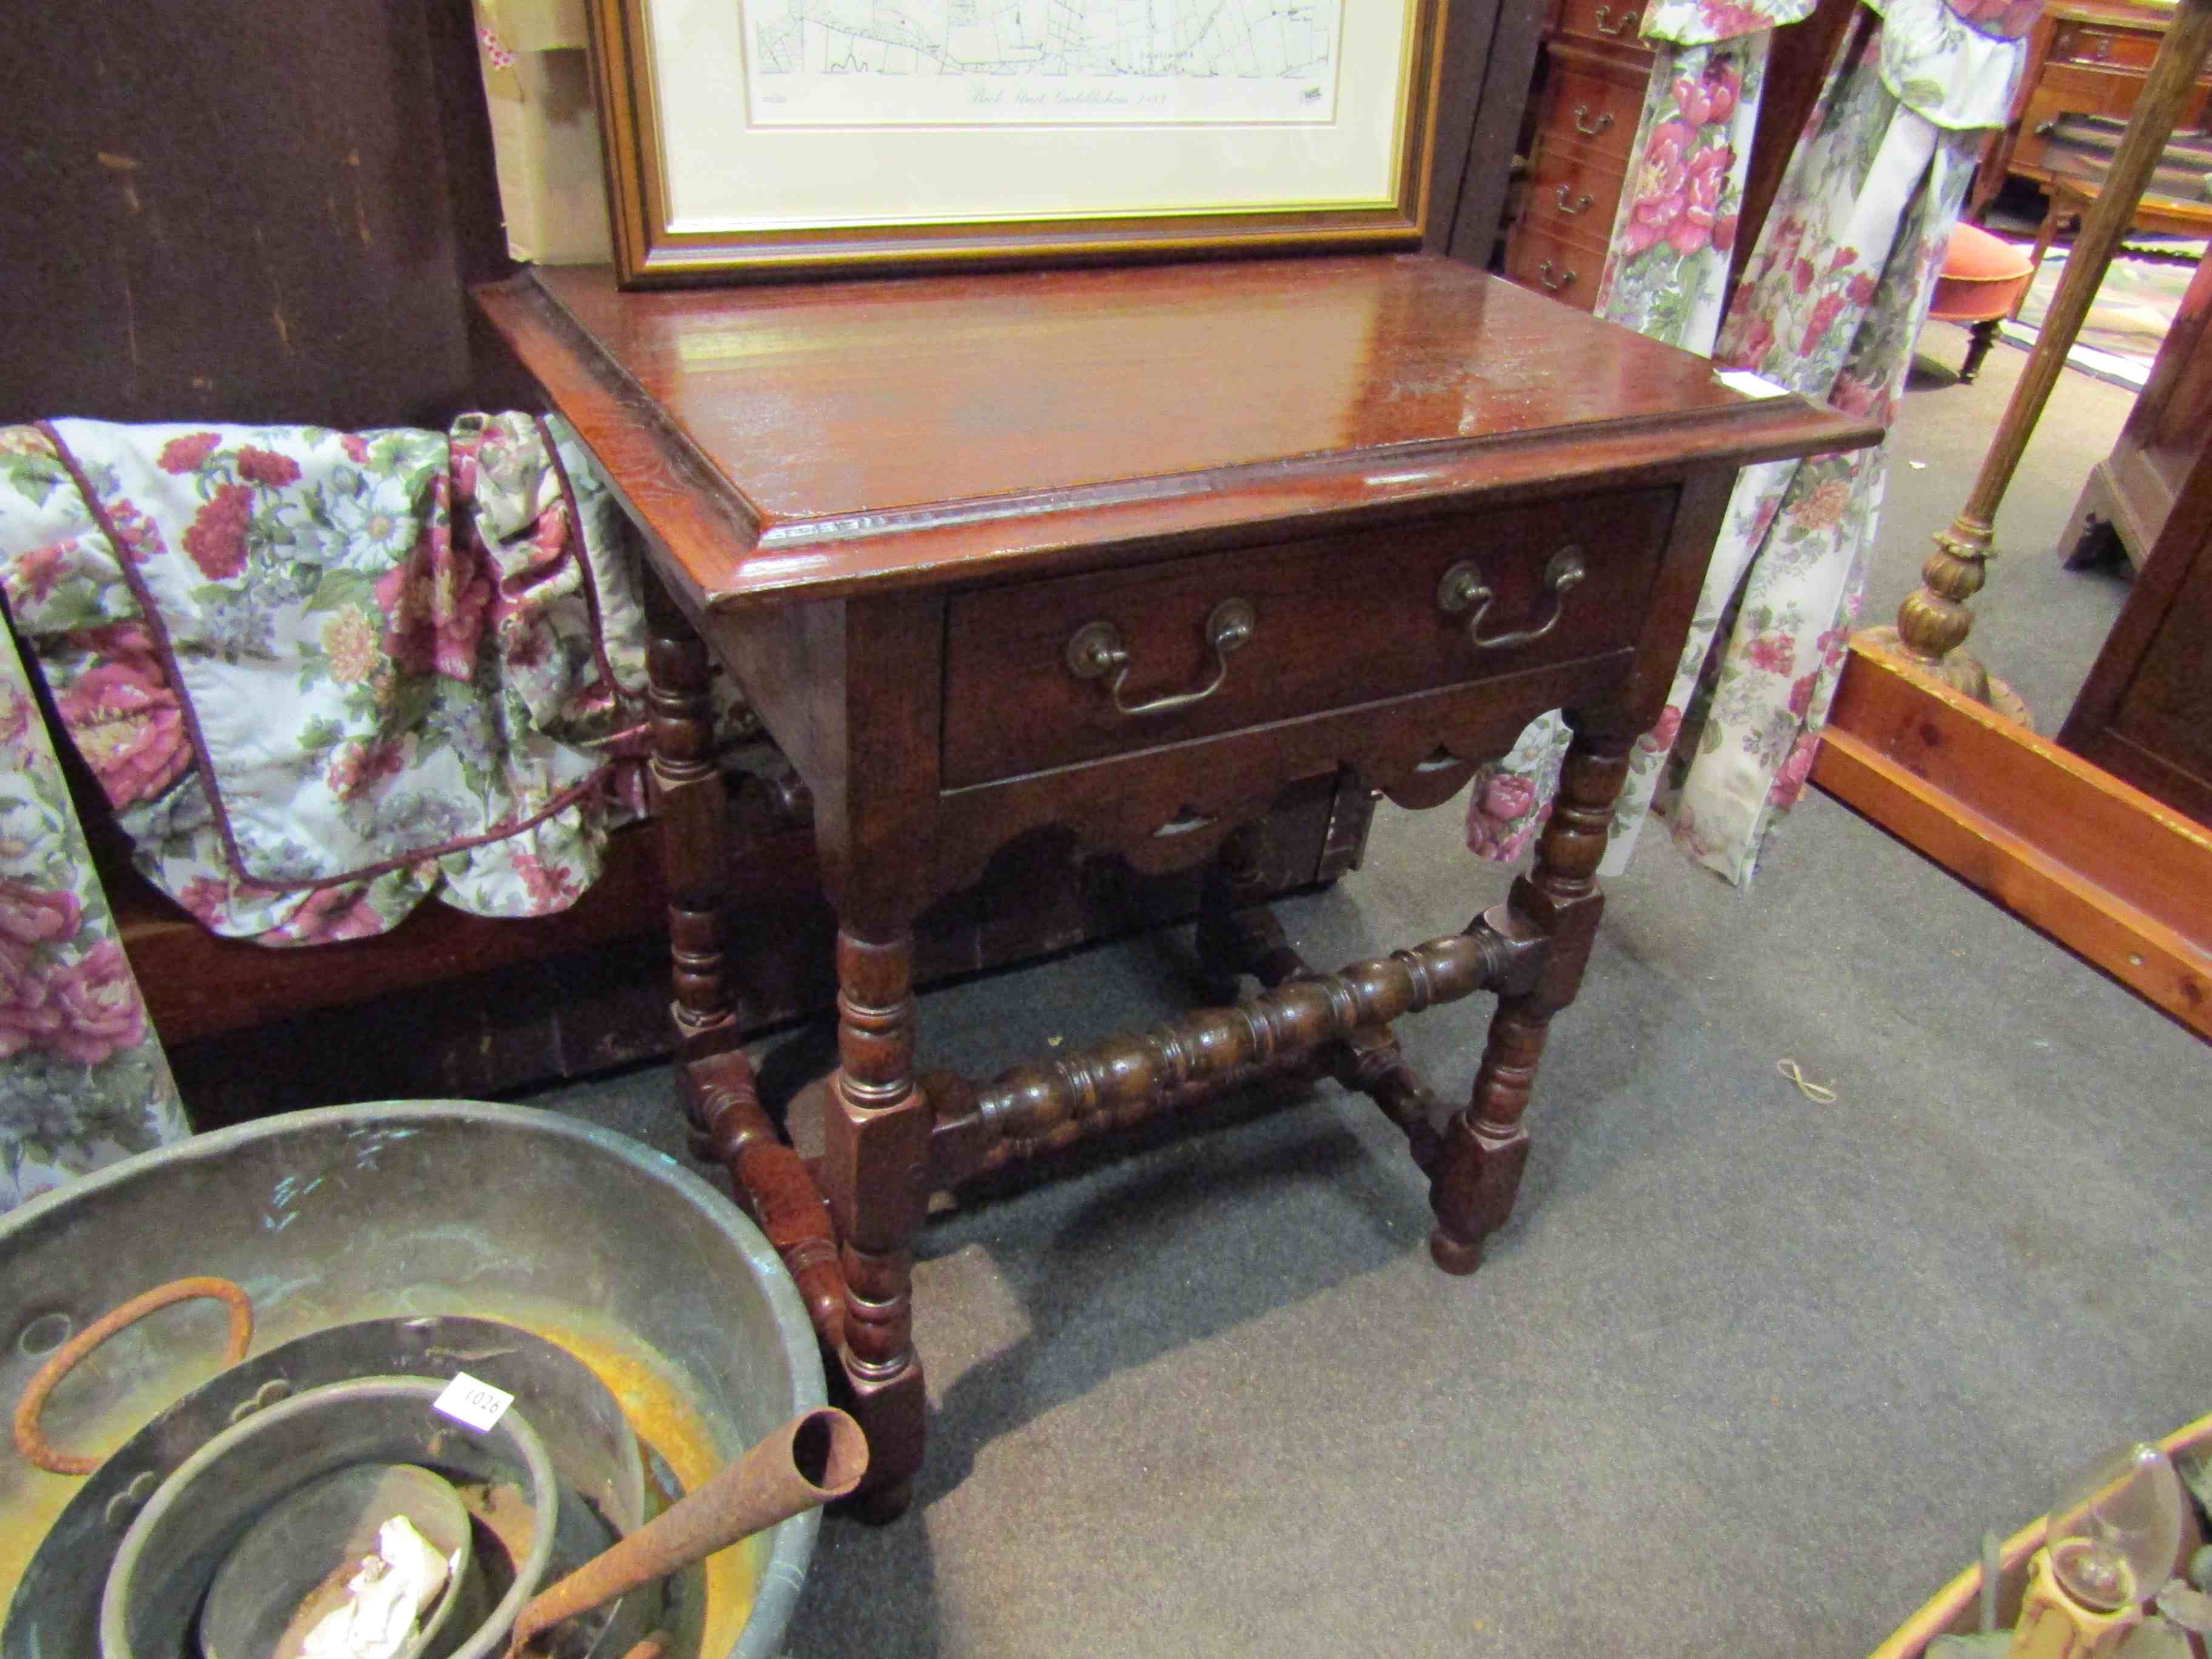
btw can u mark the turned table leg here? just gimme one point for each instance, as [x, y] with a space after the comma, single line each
[875, 1171]
[691, 806]
[714, 1082]
[1478, 1170]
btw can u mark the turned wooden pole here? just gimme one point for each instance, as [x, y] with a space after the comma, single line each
[1933, 623]
[1035, 1109]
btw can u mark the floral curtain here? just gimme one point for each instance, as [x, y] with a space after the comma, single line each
[1666, 268]
[319, 677]
[1830, 306]
[83, 1081]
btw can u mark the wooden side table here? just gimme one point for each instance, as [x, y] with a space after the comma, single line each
[1126, 552]
[2085, 57]
[2072, 196]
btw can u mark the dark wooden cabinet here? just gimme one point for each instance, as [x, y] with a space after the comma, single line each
[2145, 712]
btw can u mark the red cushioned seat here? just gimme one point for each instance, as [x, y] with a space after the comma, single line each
[1982, 277]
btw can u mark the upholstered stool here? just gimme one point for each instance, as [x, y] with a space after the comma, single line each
[1983, 283]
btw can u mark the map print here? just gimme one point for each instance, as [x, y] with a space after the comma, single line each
[892, 62]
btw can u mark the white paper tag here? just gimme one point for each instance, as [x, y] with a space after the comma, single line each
[473, 1403]
[1756, 385]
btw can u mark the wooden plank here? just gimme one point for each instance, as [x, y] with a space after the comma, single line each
[2103, 869]
[197, 985]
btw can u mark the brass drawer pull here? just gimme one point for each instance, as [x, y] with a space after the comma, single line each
[1628, 20]
[1096, 651]
[1463, 589]
[1556, 284]
[1571, 206]
[1591, 128]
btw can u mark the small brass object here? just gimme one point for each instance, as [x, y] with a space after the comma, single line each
[1096, 651]
[1544, 276]
[1572, 206]
[1463, 590]
[1591, 128]
[1629, 19]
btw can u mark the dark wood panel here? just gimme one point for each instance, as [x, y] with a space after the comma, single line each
[1478, 217]
[2173, 413]
[2144, 713]
[216, 212]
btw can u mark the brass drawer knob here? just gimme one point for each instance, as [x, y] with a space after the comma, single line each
[1463, 590]
[1629, 19]
[1590, 129]
[1571, 206]
[1096, 651]
[1565, 280]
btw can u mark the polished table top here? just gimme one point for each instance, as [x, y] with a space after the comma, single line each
[809, 440]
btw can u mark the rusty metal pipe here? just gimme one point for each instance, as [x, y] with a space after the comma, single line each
[817, 1457]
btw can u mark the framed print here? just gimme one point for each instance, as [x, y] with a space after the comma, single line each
[762, 138]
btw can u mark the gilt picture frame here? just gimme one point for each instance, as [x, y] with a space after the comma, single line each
[771, 139]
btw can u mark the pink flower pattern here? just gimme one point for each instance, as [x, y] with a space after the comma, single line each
[97, 1002]
[330, 913]
[32, 915]
[266, 467]
[126, 719]
[217, 540]
[190, 453]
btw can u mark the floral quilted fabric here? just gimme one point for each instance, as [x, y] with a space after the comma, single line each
[321, 675]
[83, 1080]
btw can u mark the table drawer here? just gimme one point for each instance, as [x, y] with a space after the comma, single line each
[1574, 193]
[1330, 623]
[2096, 43]
[1613, 20]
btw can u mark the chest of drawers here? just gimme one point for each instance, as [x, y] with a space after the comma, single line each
[1580, 145]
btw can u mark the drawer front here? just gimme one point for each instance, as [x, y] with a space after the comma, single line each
[1574, 193]
[1588, 109]
[1334, 623]
[2098, 43]
[1614, 22]
[1556, 263]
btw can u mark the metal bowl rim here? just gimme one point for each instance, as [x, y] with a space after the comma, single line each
[784, 1573]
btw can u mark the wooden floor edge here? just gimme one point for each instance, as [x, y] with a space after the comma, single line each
[2153, 959]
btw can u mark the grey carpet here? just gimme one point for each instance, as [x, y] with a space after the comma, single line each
[1746, 1374]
